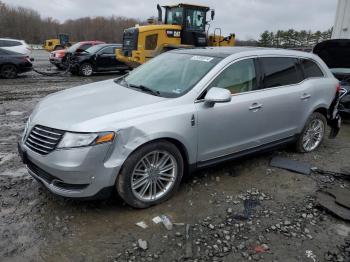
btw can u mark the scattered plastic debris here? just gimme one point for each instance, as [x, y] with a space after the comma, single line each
[166, 222]
[311, 255]
[157, 219]
[142, 244]
[142, 224]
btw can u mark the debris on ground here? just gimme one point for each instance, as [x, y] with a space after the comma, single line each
[291, 165]
[142, 224]
[167, 222]
[142, 244]
[328, 202]
[157, 219]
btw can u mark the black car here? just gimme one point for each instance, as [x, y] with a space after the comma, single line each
[336, 54]
[12, 63]
[98, 58]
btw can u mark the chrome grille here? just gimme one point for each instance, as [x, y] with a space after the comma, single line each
[43, 140]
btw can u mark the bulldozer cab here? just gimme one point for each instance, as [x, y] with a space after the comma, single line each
[192, 19]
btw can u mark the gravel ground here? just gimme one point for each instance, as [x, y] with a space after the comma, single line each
[239, 211]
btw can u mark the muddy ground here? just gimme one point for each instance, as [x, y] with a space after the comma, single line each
[239, 211]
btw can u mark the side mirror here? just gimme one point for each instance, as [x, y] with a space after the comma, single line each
[212, 14]
[217, 95]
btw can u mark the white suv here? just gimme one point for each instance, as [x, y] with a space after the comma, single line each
[15, 45]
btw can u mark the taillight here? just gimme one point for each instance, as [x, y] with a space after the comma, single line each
[337, 87]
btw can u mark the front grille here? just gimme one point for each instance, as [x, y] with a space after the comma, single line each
[43, 140]
[130, 38]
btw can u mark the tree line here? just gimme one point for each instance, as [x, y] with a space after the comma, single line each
[27, 24]
[292, 38]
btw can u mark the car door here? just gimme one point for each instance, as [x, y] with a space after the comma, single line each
[283, 97]
[105, 60]
[230, 127]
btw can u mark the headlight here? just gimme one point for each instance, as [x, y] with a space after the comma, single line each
[85, 139]
[25, 129]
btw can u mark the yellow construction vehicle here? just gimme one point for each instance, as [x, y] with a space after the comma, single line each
[184, 26]
[61, 42]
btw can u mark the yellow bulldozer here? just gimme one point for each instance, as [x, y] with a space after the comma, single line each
[184, 26]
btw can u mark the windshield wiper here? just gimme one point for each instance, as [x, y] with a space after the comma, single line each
[122, 78]
[145, 89]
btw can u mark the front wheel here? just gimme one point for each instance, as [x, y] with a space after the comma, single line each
[151, 174]
[312, 134]
[85, 69]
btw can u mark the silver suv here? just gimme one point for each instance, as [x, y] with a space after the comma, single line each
[185, 109]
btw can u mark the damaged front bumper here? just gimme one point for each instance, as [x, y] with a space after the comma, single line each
[74, 173]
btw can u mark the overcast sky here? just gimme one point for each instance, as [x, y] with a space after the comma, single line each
[246, 18]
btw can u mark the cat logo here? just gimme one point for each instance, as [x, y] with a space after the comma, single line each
[173, 33]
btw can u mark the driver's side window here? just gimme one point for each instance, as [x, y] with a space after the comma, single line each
[237, 78]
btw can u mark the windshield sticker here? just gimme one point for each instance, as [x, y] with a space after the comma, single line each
[202, 58]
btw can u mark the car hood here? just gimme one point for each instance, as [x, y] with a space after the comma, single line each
[93, 107]
[61, 52]
[335, 52]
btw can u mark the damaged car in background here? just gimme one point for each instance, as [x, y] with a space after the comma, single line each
[185, 109]
[336, 54]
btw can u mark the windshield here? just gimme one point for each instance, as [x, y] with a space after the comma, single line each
[73, 48]
[174, 16]
[195, 20]
[170, 74]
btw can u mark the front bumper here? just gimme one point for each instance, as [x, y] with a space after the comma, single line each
[55, 60]
[75, 173]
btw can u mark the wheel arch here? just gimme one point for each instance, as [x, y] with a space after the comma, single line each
[179, 145]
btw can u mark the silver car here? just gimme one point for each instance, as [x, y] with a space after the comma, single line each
[183, 110]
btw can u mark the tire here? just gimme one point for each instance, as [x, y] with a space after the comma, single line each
[9, 71]
[128, 175]
[316, 122]
[85, 69]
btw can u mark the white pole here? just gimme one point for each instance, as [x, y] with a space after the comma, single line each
[341, 28]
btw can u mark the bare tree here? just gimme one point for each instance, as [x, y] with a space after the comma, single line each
[27, 24]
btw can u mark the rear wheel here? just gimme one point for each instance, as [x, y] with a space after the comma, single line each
[85, 69]
[151, 174]
[8, 71]
[312, 134]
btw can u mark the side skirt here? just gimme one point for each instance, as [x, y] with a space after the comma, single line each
[259, 149]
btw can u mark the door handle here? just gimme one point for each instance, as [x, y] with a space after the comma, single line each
[255, 106]
[305, 96]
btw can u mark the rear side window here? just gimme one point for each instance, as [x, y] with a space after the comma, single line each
[311, 69]
[280, 71]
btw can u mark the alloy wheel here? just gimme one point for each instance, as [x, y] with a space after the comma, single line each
[86, 69]
[313, 135]
[154, 176]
